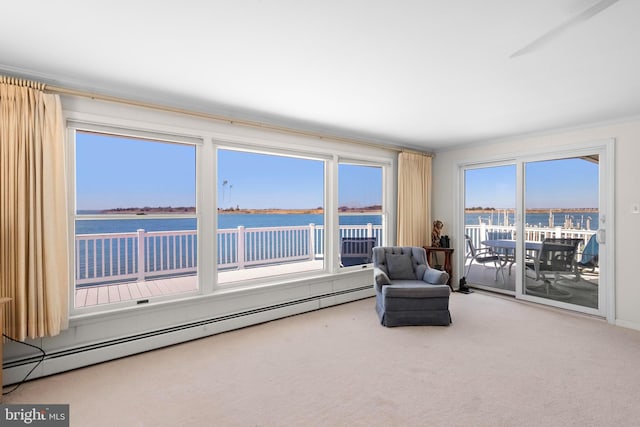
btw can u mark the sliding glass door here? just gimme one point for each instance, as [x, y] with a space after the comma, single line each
[489, 220]
[562, 213]
[534, 228]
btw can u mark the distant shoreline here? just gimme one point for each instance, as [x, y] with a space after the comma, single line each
[271, 211]
[164, 210]
[373, 210]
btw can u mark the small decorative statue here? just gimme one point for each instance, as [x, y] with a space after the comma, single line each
[435, 234]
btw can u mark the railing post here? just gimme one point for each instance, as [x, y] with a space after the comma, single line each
[558, 231]
[141, 259]
[482, 235]
[312, 241]
[369, 230]
[240, 247]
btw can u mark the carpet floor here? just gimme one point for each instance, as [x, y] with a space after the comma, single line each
[501, 363]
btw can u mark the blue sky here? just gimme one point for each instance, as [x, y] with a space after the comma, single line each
[564, 183]
[261, 181]
[116, 172]
[359, 186]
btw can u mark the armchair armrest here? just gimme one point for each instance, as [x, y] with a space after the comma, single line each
[380, 278]
[435, 277]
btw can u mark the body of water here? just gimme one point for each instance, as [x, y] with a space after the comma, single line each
[225, 221]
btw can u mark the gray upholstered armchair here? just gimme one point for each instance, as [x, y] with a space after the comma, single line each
[408, 290]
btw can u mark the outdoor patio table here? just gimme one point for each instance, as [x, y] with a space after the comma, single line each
[505, 249]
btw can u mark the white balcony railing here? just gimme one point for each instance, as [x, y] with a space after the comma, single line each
[117, 257]
[479, 232]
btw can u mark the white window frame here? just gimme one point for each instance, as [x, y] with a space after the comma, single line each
[208, 137]
[247, 148]
[384, 235]
[78, 126]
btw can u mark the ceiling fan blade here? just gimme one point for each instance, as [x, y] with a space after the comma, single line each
[577, 19]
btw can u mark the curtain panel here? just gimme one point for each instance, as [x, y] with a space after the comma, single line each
[34, 257]
[414, 199]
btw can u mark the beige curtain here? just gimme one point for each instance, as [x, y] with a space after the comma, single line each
[414, 199]
[34, 268]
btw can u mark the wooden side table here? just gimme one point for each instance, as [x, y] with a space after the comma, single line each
[3, 301]
[447, 259]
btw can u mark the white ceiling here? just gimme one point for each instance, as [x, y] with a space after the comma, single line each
[421, 73]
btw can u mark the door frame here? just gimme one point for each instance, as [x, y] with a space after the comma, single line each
[606, 152]
[462, 250]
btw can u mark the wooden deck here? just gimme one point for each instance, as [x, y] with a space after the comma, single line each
[583, 292]
[121, 292]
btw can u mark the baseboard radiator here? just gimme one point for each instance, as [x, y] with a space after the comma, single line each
[76, 357]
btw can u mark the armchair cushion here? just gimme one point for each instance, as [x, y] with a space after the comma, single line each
[413, 289]
[400, 267]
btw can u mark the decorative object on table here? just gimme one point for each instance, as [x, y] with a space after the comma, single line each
[435, 233]
[462, 286]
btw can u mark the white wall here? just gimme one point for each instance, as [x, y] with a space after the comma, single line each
[627, 176]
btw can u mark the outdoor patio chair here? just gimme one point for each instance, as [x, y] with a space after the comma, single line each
[482, 256]
[557, 257]
[356, 250]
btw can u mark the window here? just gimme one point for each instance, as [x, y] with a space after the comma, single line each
[270, 215]
[140, 236]
[135, 218]
[360, 212]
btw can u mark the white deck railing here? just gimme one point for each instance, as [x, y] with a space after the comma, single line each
[115, 257]
[478, 233]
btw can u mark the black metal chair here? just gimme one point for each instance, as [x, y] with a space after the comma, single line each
[557, 257]
[482, 256]
[356, 250]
